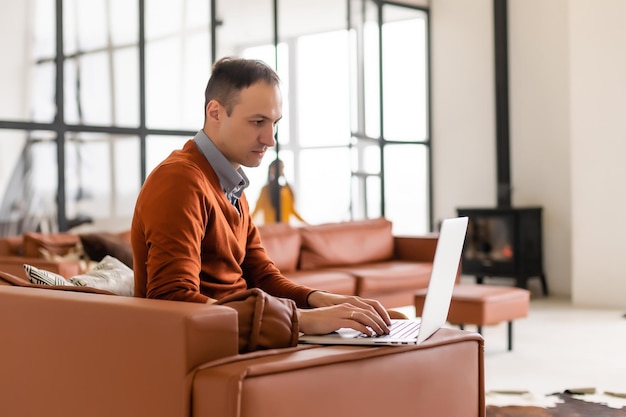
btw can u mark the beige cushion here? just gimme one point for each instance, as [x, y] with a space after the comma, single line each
[12, 280]
[349, 243]
[43, 277]
[110, 275]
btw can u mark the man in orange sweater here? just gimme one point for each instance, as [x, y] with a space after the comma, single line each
[192, 235]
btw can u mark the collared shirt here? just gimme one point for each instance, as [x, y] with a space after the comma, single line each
[233, 181]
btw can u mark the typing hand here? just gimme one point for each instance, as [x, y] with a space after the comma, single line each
[327, 319]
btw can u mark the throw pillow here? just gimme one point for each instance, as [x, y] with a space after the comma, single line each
[8, 279]
[109, 274]
[99, 245]
[42, 277]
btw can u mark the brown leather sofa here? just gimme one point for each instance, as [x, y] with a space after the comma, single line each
[15, 251]
[358, 257]
[68, 353]
[67, 254]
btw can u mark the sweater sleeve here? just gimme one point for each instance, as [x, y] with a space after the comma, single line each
[172, 212]
[261, 272]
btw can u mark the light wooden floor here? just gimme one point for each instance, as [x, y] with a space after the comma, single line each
[557, 347]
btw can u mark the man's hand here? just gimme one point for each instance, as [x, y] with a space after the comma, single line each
[336, 311]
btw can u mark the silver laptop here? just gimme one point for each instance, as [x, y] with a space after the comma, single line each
[436, 304]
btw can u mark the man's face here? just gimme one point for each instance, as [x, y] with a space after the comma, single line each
[244, 136]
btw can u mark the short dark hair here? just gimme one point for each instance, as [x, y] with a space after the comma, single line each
[231, 75]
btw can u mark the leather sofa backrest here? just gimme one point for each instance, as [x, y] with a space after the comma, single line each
[282, 244]
[55, 243]
[11, 246]
[347, 243]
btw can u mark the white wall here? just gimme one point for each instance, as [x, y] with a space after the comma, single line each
[463, 115]
[598, 141]
[539, 115]
[13, 28]
[568, 129]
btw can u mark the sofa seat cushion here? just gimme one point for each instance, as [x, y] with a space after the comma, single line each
[390, 276]
[282, 244]
[330, 280]
[347, 243]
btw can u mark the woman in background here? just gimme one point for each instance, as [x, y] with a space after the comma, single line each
[276, 189]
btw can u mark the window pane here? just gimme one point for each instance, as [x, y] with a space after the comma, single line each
[88, 90]
[244, 24]
[44, 24]
[366, 157]
[15, 180]
[85, 25]
[178, 63]
[42, 96]
[371, 93]
[324, 192]
[323, 117]
[163, 18]
[196, 70]
[124, 22]
[20, 48]
[366, 197]
[406, 188]
[175, 83]
[405, 80]
[373, 197]
[364, 51]
[28, 181]
[102, 176]
[297, 19]
[159, 147]
[163, 84]
[126, 87]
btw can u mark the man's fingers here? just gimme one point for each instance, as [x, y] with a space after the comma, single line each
[369, 320]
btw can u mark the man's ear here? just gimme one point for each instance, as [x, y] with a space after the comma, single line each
[213, 111]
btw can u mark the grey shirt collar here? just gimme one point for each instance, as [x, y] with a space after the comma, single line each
[233, 181]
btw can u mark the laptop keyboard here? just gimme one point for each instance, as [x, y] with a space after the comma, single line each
[399, 329]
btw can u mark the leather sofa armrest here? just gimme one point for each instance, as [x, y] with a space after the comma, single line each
[15, 265]
[108, 353]
[444, 376]
[415, 248]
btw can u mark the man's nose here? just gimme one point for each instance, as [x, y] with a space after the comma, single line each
[268, 137]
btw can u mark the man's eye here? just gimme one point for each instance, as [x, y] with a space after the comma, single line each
[258, 122]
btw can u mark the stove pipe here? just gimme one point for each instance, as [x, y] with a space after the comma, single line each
[503, 162]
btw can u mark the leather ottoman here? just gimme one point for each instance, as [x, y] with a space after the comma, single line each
[483, 305]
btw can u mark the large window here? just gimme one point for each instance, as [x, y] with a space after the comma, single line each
[354, 138]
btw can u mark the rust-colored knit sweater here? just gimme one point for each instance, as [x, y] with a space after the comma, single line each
[189, 242]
